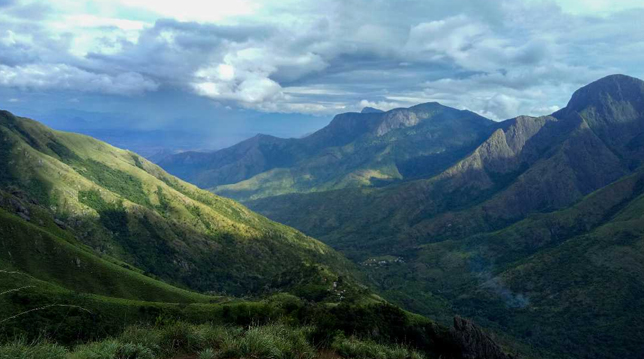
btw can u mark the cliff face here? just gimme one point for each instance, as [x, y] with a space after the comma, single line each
[474, 343]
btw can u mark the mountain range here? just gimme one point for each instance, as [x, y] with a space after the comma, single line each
[532, 226]
[94, 239]
[356, 149]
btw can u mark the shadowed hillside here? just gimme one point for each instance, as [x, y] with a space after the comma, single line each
[512, 233]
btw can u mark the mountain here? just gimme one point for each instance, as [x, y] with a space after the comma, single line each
[123, 206]
[371, 110]
[535, 231]
[94, 239]
[366, 149]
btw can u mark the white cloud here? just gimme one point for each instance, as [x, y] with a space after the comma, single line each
[598, 7]
[380, 105]
[501, 58]
[64, 77]
[224, 83]
[470, 44]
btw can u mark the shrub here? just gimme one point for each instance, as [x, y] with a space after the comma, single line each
[353, 348]
[22, 350]
[270, 342]
[180, 337]
[144, 336]
[207, 354]
[112, 349]
[213, 337]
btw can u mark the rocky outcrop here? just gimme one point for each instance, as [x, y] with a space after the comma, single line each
[474, 343]
[397, 119]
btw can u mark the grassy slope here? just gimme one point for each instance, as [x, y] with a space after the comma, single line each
[67, 318]
[119, 204]
[32, 249]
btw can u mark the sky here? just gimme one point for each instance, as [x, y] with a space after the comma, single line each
[233, 68]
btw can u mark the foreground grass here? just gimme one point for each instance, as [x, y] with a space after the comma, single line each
[181, 340]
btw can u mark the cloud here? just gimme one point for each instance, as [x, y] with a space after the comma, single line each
[380, 105]
[472, 45]
[500, 59]
[64, 77]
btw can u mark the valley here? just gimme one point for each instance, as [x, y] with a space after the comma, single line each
[525, 226]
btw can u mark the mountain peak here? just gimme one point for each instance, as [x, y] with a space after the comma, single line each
[371, 110]
[613, 88]
[432, 104]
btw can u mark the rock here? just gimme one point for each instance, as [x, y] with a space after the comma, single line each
[19, 207]
[60, 223]
[397, 119]
[24, 216]
[474, 343]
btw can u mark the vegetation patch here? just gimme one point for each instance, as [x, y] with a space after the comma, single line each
[179, 340]
[114, 180]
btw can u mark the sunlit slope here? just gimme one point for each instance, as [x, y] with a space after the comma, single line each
[119, 204]
[33, 249]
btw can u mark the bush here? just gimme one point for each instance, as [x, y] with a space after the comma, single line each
[180, 337]
[207, 354]
[21, 350]
[274, 341]
[353, 348]
[271, 342]
[213, 337]
[112, 349]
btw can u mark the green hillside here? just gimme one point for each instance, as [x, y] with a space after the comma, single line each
[525, 233]
[120, 205]
[572, 274]
[28, 248]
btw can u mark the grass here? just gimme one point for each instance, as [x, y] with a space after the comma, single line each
[271, 327]
[29, 248]
[358, 349]
[207, 341]
[21, 349]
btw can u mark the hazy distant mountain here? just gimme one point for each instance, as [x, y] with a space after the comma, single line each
[536, 230]
[371, 148]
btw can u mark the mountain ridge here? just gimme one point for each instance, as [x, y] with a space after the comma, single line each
[451, 230]
[88, 232]
[366, 149]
